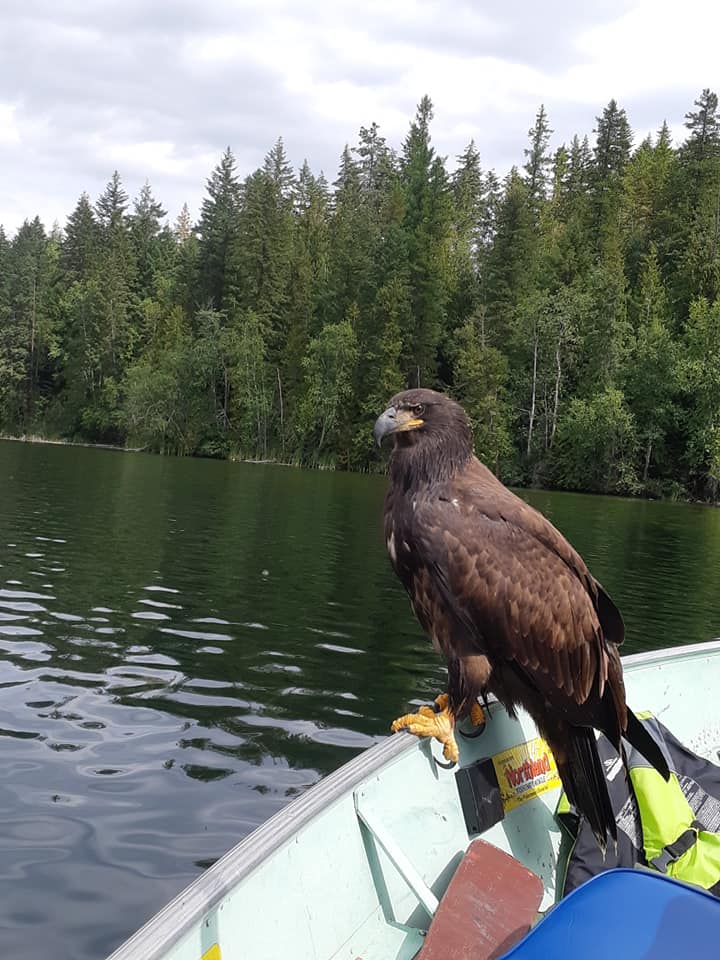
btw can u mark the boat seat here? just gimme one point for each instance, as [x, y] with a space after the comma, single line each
[627, 915]
[489, 905]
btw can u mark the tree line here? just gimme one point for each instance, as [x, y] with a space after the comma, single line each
[573, 308]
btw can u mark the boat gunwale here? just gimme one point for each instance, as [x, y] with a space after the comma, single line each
[163, 931]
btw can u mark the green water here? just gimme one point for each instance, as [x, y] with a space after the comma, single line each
[186, 645]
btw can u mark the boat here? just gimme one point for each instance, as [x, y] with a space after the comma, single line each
[363, 864]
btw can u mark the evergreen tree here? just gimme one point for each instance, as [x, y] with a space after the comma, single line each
[151, 240]
[183, 228]
[651, 383]
[704, 139]
[263, 251]
[613, 143]
[29, 342]
[350, 265]
[574, 308]
[111, 206]
[700, 379]
[468, 192]
[218, 232]
[307, 285]
[427, 226]
[509, 270]
[80, 244]
[538, 160]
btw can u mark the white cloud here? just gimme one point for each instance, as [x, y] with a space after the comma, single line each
[9, 132]
[656, 47]
[159, 90]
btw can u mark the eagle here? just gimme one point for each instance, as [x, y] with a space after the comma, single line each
[507, 601]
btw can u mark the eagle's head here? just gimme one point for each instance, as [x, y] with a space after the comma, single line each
[432, 433]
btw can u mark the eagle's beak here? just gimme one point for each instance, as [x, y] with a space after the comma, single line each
[386, 423]
[394, 421]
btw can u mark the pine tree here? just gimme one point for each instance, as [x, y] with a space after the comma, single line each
[468, 192]
[80, 244]
[111, 206]
[612, 152]
[614, 142]
[307, 283]
[218, 231]
[29, 338]
[376, 166]
[350, 264]
[12, 344]
[427, 227]
[651, 381]
[704, 126]
[151, 240]
[263, 251]
[538, 158]
[183, 228]
[509, 270]
[700, 378]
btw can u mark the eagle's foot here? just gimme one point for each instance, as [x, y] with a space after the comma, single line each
[477, 715]
[478, 719]
[428, 722]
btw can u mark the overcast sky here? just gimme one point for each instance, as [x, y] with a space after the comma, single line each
[158, 88]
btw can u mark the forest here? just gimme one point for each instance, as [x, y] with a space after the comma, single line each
[573, 307]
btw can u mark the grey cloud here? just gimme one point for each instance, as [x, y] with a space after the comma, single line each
[540, 35]
[92, 78]
[80, 87]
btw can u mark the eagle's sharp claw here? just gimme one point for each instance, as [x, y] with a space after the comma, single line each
[475, 733]
[446, 766]
[427, 723]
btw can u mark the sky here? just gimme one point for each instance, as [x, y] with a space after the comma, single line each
[157, 89]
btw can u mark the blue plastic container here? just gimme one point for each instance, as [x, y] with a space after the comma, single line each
[627, 915]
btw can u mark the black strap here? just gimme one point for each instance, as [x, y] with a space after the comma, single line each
[673, 851]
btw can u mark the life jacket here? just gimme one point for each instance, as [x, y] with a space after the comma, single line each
[672, 827]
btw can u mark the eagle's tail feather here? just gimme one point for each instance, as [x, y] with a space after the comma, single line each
[638, 736]
[583, 778]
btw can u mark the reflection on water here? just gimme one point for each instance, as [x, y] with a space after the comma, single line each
[186, 645]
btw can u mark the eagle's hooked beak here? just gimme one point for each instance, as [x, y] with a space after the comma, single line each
[386, 423]
[394, 421]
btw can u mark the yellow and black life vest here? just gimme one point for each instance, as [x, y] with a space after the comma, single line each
[672, 827]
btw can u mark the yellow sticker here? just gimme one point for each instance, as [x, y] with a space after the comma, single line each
[525, 771]
[213, 953]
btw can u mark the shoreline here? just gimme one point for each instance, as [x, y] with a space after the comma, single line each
[32, 438]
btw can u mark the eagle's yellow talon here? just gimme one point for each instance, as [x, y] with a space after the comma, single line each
[426, 711]
[477, 715]
[427, 723]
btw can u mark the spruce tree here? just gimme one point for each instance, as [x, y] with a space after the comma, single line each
[151, 240]
[218, 231]
[538, 160]
[427, 226]
[81, 240]
[613, 143]
[111, 206]
[704, 126]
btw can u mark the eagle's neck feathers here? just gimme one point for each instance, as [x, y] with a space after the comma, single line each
[426, 458]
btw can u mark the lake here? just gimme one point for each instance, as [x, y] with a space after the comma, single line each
[186, 645]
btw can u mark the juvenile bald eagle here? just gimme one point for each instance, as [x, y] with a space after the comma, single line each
[507, 601]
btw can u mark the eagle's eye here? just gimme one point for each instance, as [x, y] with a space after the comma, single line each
[418, 410]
